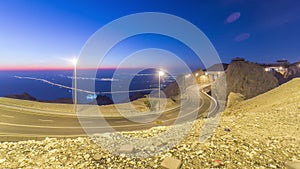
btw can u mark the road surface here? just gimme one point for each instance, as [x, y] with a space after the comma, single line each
[21, 124]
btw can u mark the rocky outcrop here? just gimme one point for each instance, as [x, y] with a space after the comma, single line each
[23, 96]
[172, 90]
[246, 78]
[294, 70]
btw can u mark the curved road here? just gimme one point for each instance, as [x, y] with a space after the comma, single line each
[17, 124]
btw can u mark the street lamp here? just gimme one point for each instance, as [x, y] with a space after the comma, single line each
[160, 73]
[74, 61]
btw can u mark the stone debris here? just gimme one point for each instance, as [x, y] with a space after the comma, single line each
[218, 163]
[227, 129]
[293, 164]
[97, 157]
[171, 163]
[2, 160]
[127, 148]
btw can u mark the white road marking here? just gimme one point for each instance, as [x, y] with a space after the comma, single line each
[45, 120]
[8, 116]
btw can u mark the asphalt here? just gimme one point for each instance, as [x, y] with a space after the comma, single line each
[17, 123]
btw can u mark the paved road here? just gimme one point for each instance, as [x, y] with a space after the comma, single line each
[39, 123]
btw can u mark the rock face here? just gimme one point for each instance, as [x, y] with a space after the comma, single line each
[23, 96]
[234, 98]
[295, 68]
[293, 72]
[171, 90]
[246, 78]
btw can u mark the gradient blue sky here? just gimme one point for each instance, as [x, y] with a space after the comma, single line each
[37, 33]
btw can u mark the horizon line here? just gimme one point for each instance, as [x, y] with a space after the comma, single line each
[22, 68]
[13, 68]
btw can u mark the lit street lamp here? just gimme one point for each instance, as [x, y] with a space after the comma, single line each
[160, 73]
[74, 61]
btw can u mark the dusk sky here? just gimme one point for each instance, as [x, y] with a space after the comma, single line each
[43, 34]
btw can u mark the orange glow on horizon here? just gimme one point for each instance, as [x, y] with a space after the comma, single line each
[28, 68]
[33, 68]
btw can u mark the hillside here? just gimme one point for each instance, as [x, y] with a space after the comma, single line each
[277, 111]
[262, 132]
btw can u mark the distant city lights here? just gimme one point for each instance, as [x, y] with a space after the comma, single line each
[188, 75]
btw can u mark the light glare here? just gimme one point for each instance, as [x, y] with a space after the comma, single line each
[74, 61]
[161, 73]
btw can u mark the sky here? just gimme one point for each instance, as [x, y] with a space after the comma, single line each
[37, 34]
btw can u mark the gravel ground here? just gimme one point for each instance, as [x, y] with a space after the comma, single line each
[262, 132]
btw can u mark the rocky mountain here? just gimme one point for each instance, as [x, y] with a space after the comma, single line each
[246, 78]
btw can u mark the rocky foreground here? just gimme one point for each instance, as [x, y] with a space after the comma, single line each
[263, 132]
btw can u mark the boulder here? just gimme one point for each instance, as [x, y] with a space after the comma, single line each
[246, 78]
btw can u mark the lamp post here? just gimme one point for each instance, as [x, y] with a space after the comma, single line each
[160, 73]
[185, 79]
[74, 61]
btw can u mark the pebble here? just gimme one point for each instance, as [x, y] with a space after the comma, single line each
[171, 163]
[127, 148]
[86, 157]
[2, 160]
[97, 157]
